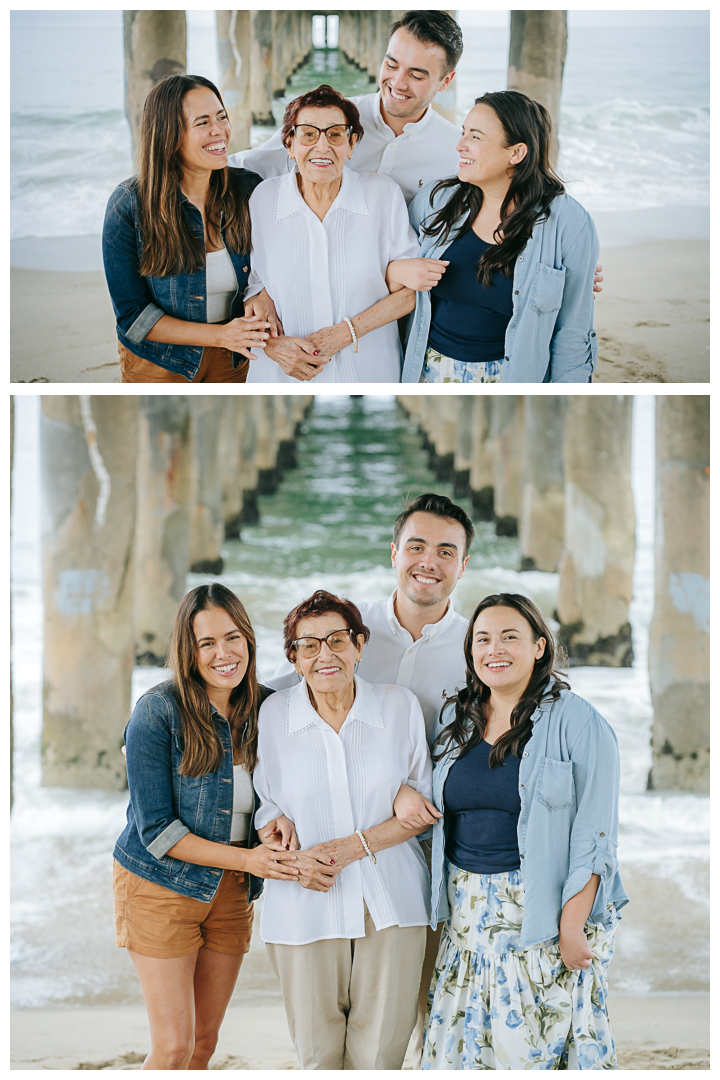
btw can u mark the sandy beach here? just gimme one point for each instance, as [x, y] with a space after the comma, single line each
[652, 316]
[669, 1032]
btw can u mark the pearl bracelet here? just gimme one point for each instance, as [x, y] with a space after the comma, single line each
[353, 332]
[365, 844]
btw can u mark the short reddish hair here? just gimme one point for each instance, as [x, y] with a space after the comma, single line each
[322, 97]
[323, 603]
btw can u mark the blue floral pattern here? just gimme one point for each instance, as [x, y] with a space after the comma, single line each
[443, 369]
[493, 1005]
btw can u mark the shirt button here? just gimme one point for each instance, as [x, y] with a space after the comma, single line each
[520, 258]
[522, 785]
[602, 833]
[522, 856]
[525, 754]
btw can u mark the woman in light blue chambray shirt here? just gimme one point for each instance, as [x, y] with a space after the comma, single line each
[528, 318]
[520, 979]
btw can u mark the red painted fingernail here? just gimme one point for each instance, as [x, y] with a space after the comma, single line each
[316, 353]
[332, 862]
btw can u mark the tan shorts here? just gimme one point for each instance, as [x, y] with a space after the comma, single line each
[215, 366]
[155, 921]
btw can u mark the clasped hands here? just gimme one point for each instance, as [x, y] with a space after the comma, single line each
[318, 866]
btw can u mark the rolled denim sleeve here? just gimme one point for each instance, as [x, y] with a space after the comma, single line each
[573, 350]
[133, 303]
[148, 749]
[593, 837]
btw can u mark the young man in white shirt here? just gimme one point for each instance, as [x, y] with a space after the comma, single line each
[404, 137]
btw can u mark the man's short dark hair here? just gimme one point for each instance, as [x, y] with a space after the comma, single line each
[440, 506]
[434, 28]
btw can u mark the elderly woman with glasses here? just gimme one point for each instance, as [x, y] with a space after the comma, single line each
[323, 237]
[347, 938]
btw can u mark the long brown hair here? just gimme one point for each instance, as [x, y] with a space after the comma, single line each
[533, 186]
[203, 750]
[169, 244]
[468, 726]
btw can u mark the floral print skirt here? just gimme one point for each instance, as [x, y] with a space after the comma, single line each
[443, 369]
[494, 1005]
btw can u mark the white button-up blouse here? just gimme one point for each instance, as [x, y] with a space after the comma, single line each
[320, 272]
[331, 784]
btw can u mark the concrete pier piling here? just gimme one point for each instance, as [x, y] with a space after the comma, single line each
[679, 656]
[538, 45]
[137, 491]
[542, 521]
[88, 525]
[162, 553]
[261, 53]
[596, 568]
[155, 46]
[507, 454]
[233, 45]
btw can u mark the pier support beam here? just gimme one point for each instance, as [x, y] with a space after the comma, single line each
[596, 568]
[679, 657]
[155, 46]
[88, 484]
[162, 556]
[233, 43]
[538, 45]
[261, 46]
[507, 441]
[542, 524]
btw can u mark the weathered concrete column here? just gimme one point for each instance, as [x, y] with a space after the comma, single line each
[679, 657]
[463, 446]
[233, 44]
[538, 44]
[482, 491]
[542, 525]
[507, 441]
[207, 524]
[162, 533]
[261, 68]
[88, 485]
[596, 567]
[155, 46]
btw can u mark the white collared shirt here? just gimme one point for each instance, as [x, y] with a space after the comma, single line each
[330, 784]
[423, 153]
[433, 667]
[320, 272]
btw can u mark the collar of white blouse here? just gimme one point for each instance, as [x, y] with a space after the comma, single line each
[300, 714]
[351, 197]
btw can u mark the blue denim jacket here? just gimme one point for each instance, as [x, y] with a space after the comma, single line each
[139, 302]
[165, 806]
[550, 336]
[567, 830]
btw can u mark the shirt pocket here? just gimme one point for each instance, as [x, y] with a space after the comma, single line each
[556, 787]
[547, 290]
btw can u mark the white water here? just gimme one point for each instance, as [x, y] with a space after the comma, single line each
[63, 948]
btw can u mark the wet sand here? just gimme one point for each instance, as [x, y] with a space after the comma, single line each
[663, 1032]
[652, 318]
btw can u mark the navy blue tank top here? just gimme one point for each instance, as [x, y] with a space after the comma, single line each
[482, 807]
[468, 320]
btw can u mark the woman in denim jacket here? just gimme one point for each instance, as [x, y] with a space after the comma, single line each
[186, 867]
[508, 256]
[176, 246]
[524, 865]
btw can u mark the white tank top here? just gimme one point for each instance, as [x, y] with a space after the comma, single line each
[220, 283]
[243, 803]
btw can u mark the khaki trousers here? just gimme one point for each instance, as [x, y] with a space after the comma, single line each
[215, 366]
[352, 1003]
